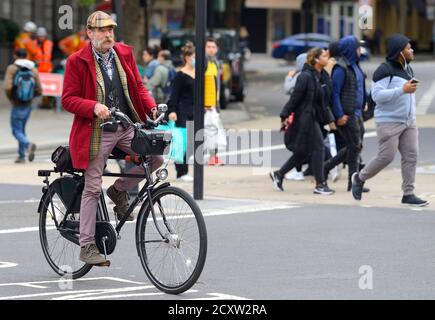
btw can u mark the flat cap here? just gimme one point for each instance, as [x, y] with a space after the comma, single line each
[100, 19]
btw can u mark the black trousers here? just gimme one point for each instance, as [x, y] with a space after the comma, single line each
[182, 168]
[353, 134]
[317, 157]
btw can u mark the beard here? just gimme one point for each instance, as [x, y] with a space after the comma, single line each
[108, 42]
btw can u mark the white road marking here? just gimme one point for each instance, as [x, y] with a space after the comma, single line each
[19, 201]
[370, 134]
[105, 293]
[220, 296]
[70, 280]
[425, 101]
[7, 264]
[206, 213]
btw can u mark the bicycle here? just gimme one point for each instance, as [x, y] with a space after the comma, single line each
[171, 236]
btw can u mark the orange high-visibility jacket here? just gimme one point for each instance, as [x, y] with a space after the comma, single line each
[43, 58]
[71, 44]
[25, 41]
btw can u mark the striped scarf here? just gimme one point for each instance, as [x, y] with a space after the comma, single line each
[97, 130]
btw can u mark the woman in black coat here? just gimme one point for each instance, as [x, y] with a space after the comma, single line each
[180, 104]
[308, 107]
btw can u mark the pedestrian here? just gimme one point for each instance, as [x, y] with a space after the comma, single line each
[181, 102]
[22, 84]
[26, 39]
[348, 102]
[393, 91]
[45, 46]
[289, 85]
[149, 57]
[74, 42]
[160, 83]
[307, 107]
[103, 75]
[214, 135]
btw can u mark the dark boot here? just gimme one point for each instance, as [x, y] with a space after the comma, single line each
[120, 199]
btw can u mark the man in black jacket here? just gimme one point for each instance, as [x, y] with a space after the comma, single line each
[348, 101]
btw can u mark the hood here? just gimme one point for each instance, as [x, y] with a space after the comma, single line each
[348, 46]
[395, 44]
[168, 64]
[300, 61]
[25, 63]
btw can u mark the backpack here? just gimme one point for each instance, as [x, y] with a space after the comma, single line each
[24, 85]
[371, 104]
[168, 85]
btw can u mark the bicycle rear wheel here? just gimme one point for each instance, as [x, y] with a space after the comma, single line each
[172, 264]
[61, 253]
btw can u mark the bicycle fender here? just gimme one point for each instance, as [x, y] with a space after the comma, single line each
[44, 192]
[163, 185]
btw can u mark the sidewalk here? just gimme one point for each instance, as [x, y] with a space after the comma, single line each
[49, 129]
[231, 184]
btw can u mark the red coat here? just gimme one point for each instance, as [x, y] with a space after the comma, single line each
[79, 96]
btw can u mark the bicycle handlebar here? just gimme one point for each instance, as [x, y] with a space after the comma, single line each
[161, 109]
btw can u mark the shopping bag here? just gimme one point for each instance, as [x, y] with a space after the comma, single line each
[214, 133]
[178, 145]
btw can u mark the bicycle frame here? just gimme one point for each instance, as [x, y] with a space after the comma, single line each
[145, 194]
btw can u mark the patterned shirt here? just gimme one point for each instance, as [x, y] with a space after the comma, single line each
[105, 60]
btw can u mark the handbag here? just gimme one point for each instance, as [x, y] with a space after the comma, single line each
[61, 157]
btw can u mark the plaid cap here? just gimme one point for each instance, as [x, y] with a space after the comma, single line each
[100, 19]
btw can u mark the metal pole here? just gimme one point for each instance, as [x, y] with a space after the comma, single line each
[117, 9]
[145, 10]
[200, 31]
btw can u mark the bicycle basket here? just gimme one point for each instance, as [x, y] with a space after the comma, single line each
[151, 142]
[61, 157]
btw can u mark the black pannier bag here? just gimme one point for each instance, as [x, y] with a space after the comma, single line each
[61, 157]
[150, 142]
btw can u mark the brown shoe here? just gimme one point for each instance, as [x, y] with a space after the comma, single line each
[89, 254]
[120, 199]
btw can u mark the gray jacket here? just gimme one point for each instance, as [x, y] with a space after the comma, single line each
[392, 103]
[158, 81]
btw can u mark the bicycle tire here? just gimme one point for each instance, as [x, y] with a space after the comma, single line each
[63, 269]
[193, 270]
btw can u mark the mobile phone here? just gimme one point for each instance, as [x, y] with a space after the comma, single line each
[413, 80]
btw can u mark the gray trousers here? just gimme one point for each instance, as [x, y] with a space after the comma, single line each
[93, 179]
[394, 136]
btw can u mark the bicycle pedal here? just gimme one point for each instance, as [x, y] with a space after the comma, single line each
[104, 264]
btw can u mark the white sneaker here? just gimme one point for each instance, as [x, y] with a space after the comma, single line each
[335, 174]
[185, 178]
[295, 175]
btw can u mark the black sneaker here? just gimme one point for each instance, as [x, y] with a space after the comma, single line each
[415, 201]
[323, 190]
[357, 186]
[277, 180]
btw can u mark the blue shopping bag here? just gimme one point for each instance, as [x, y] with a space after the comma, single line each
[178, 145]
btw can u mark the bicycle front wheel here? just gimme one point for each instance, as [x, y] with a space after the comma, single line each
[174, 262]
[61, 253]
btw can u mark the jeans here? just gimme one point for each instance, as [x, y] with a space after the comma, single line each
[19, 117]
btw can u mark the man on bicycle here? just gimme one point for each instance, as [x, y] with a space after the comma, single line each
[100, 76]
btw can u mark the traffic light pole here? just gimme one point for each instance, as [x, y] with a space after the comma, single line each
[200, 32]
